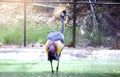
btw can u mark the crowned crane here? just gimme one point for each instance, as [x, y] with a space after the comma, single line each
[55, 42]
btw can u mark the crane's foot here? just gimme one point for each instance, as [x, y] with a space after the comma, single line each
[57, 69]
[52, 71]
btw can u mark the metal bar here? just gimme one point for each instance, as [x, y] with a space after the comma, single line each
[51, 2]
[66, 2]
[24, 23]
[43, 5]
[99, 3]
[74, 23]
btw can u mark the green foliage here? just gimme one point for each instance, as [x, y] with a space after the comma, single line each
[37, 33]
[14, 33]
[95, 39]
[11, 34]
[68, 34]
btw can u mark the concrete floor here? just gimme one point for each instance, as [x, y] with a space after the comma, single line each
[28, 54]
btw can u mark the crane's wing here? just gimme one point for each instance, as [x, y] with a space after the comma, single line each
[55, 36]
[60, 47]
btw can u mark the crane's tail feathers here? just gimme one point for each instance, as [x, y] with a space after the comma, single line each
[59, 45]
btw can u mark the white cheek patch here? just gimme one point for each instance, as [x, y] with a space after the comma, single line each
[62, 14]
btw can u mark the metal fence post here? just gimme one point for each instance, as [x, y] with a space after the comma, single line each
[24, 23]
[74, 23]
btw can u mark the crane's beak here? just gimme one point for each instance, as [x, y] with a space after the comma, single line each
[67, 13]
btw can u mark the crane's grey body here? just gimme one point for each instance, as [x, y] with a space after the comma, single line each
[55, 36]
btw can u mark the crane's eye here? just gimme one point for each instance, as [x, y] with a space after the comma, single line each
[64, 13]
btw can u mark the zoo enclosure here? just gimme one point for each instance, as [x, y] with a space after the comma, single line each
[74, 3]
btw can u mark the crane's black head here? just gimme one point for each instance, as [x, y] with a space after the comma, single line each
[64, 13]
[64, 16]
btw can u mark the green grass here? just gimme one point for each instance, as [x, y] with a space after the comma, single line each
[48, 74]
[73, 68]
[13, 33]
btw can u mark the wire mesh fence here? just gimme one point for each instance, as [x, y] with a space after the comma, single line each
[40, 21]
[11, 23]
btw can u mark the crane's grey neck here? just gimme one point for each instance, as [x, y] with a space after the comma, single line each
[63, 25]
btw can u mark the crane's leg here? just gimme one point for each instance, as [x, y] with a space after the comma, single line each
[51, 66]
[57, 66]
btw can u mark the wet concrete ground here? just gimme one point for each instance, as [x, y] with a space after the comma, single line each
[29, 54]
